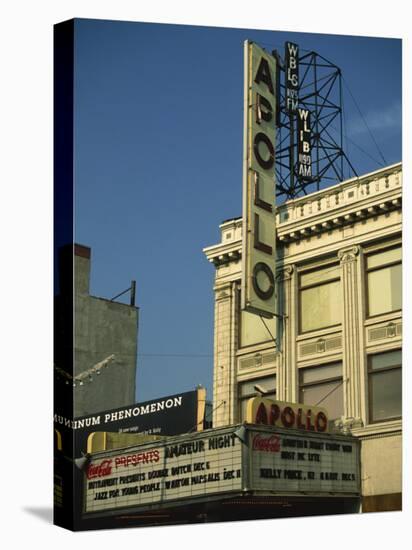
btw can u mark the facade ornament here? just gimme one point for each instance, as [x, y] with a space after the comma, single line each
[397, 179]
[221, 295]
[348, 254]
[285, 273]
[346, 425]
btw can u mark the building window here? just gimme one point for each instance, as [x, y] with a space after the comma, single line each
[247, 390]
[322, 386]
[384, 276]
[320, 298]
[254, 330]
[385, 386]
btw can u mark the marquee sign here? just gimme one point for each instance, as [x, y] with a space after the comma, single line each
[222, 462]
[293, 462]
[156, 473]
[260, 410]
[259, 223]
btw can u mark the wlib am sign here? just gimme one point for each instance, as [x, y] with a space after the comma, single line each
[304, 145]
[259, 222]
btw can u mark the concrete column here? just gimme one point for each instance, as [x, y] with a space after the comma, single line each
[286, 338]
[353, 339]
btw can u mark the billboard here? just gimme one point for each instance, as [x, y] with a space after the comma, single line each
[259, 222]
[170, 415]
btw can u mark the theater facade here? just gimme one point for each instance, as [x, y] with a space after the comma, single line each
[307, 408]
[336, 339]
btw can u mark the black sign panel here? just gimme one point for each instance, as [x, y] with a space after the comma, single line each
[171, 415]
[292, 76]
[304, 165]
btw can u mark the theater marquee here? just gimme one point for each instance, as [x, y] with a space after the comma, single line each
[222, 463]
[258, 252]
[156, 473]
[293, 462]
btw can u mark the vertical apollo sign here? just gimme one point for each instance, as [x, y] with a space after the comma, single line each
[259, 222]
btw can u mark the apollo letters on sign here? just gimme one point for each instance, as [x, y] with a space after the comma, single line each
[283, 414]
[259, 222]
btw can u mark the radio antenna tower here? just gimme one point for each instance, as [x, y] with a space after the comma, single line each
[317, 90]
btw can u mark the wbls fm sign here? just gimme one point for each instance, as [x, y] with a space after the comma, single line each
[292, 77]
[259, 222]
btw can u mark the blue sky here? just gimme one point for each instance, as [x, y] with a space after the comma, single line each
[158, 166]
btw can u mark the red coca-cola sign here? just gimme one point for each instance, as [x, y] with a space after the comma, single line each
[269, 444]
[100, 470]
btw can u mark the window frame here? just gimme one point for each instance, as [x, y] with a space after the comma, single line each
[320, 382]
[315, 285]
[377, 268]
[255, 380]
[240, 346]
[371, 372]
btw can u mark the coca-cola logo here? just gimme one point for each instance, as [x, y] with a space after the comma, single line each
[100, 470]
[269, 444]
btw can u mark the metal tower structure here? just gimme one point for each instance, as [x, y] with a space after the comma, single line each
[319, 91]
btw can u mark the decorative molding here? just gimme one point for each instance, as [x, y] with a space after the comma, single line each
[321, 345]
[348, 203]
[285, 273]
[346, 425]
[391, 330]
[378, 430]
[257, 360]
[347, 255]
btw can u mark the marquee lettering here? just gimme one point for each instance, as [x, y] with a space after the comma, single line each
[263, 75]
[261, 267]
[265, 163]
[258, 281]
[287, 415]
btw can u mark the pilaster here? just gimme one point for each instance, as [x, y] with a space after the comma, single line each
[353, 340]
[286, 375]
[224, 365]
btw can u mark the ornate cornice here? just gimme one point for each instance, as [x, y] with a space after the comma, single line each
[334, 208]
[224, 254]
[342, 205]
